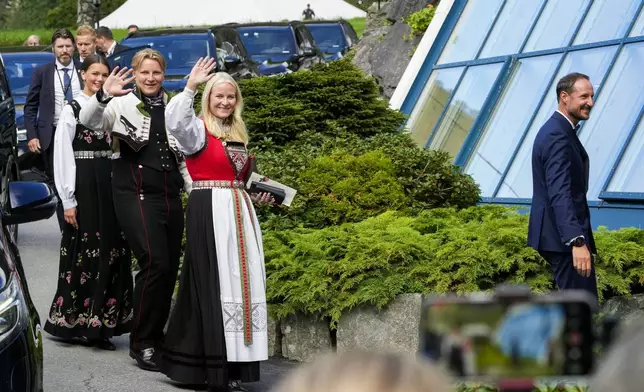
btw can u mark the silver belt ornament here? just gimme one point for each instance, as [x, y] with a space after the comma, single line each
[218, 184]
[92, 154]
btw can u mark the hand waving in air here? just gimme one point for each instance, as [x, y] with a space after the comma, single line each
[115, 83]
[201, 72]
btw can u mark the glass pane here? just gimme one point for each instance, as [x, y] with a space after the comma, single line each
[511, 28]
[629, 176]
[464, 108]
[556, 25]
[594, 63]
[511, 115]
[470, 31]
[614, 114]
[638, 27]
[431, 103]
[607, 19]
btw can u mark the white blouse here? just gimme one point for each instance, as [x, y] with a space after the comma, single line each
[64, 161]
[182, 123]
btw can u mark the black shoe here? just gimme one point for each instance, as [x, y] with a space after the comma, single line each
[235, 386]
[144, 359]
[105, 344]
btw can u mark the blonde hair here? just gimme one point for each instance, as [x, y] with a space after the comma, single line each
[366, 372]
[148, 54]
[85, 30]
[237, 131]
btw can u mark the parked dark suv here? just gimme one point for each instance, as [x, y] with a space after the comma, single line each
[334, 38]
[183, 47]
[290, 45]
[21, 355]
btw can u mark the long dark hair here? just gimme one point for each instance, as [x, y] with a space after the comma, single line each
[95, 59]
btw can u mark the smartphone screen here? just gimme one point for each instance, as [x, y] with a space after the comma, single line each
[508, 340]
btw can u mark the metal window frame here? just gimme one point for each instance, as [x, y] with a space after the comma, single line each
[510, 61]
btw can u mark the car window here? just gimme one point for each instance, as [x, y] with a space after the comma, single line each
[304, 39]
[19, 69]
[227, 46]
[4, 88]
[268, 42]
[180, 51]
[328, 37]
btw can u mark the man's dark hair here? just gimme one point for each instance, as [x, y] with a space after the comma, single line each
[132, 26]
[104, 32]
[567, 83]
[62, 34]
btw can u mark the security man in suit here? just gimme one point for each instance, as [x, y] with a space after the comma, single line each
[560, 228]
[52, 86]
[105, 43]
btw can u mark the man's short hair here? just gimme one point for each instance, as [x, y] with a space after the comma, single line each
[567, 83]
[85, 30]
[132, 26]
[62, 34]
[104, 32]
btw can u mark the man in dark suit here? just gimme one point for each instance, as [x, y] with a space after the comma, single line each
[105, 43]
[52, 86]
[560, 219]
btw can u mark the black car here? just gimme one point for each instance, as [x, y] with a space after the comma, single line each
[183, 47]
[289, 44]
[21, 355]
[334, 38]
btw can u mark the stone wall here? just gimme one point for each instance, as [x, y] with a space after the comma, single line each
[394, 329]
[387, 44]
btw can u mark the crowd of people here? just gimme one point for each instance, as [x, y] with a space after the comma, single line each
[121, 159]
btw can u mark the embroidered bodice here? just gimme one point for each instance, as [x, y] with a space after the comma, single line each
[219, 160]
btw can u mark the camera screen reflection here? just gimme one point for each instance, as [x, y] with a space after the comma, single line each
[496, 340]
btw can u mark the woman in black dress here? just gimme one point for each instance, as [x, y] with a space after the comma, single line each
[93, 301]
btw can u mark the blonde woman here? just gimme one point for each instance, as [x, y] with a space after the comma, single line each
[148, 174]
[217, 333]
[366, 372]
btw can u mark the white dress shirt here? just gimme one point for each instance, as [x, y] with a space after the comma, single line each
[59, 81]
[64, 161]
[110, 51]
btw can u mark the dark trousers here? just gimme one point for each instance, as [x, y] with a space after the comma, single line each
[48, 156]
[149, 210]
[566, 277]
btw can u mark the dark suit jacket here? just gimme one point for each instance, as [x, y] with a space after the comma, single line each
[39, 106]
[560, 169]
[117, 49]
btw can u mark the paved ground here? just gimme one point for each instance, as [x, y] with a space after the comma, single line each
[76, 368]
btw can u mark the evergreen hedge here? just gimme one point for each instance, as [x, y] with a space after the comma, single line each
[326, 272]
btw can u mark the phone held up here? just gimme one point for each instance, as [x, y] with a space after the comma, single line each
[511, 334]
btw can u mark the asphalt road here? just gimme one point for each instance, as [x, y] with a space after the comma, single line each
[77, 368]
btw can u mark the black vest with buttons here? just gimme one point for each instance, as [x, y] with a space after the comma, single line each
[156, 154]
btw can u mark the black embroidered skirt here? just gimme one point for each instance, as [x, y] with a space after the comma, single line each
[194, 350]
[94, 294]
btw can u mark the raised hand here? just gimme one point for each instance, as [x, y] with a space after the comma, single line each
[201, 72]
[115, 83]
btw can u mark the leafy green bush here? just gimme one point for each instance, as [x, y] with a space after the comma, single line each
[327, 272]
[419, 21]
[428, 178]
[329, 100]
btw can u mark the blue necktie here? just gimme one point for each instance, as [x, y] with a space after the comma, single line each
[67, 84]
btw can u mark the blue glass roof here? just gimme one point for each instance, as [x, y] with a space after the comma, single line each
[488, 84]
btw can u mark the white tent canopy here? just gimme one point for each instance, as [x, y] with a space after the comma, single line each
[174, 13]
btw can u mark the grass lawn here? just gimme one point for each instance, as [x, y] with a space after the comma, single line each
[17, 37]
[358, 25]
